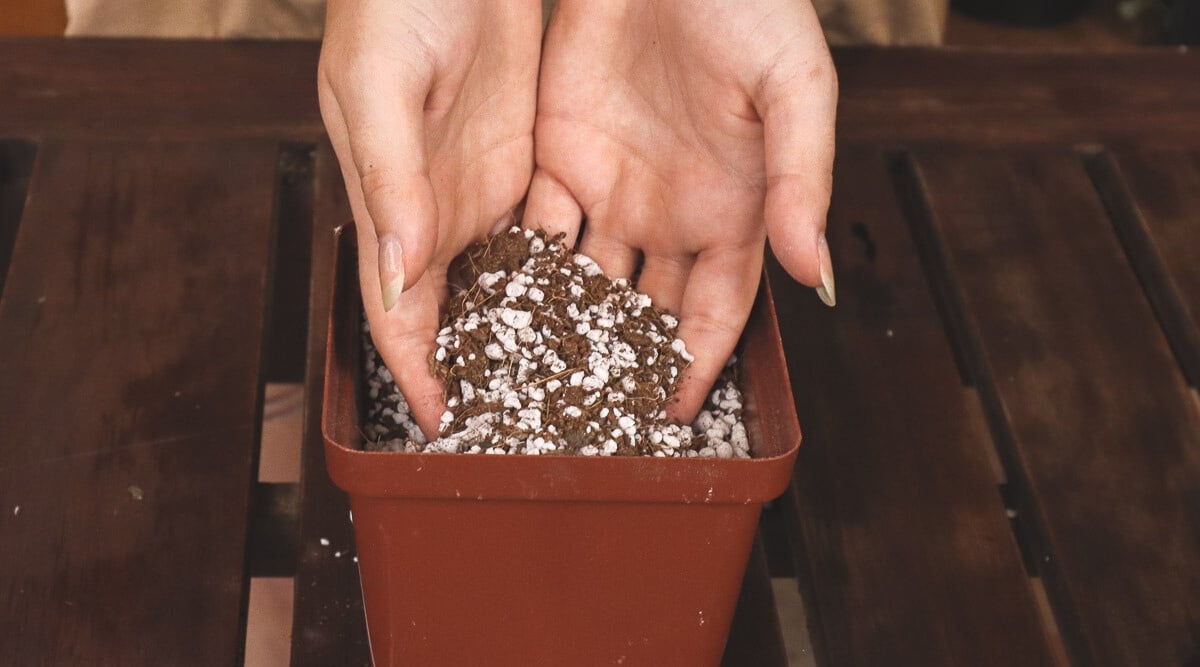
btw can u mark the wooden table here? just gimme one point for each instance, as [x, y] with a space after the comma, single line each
[1002, 454]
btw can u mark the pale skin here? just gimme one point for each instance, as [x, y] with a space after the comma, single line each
[685, 133]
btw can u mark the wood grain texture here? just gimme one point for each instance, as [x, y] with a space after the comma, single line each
[130, 338]
[907, 554]
[1100, 431]
[328, 626]
[196, 88]
[1006, 97]
[159, 88]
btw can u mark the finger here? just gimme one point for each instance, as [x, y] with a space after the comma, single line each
[335, 127]
[798, 102]
[551, 207]
[386, 136]
[405, 338]
[615, 257]
[716, 304]
[663, 279]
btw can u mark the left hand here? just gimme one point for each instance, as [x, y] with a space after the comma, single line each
[688, 131]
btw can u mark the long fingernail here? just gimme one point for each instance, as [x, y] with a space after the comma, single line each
[826, 291]
[391, 270]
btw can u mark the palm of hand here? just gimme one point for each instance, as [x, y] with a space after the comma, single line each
[479, 125]
[653, 132]
[673, 127]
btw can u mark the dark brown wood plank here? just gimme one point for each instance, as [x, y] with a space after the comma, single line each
[906, 556]
[130, 338]
[755, 636]
[158, 88]
[328, 626]
[996, 97]
[1101, 433]
[1153, 197]
[80, 87]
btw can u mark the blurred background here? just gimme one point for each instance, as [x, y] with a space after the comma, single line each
[1019, 24]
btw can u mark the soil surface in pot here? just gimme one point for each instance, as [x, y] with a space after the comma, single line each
[544, 354]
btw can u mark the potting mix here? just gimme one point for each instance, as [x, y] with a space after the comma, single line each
[544, 354]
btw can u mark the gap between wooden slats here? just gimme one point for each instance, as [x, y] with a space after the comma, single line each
[288, 314]
[16, 165]
[914, 202]
[1093, 421]
[271, 540]
[328, 626]
[755, 636]
[904, 549]
[1023, 521]
[1160, 230]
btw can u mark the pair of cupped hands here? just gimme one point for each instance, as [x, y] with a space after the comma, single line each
[686, 132]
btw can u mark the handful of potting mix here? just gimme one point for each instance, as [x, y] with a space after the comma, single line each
[544, 354]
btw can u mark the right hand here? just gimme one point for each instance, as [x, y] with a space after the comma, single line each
[429, 105]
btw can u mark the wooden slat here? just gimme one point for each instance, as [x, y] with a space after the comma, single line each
[907, 557]
[198, 88]
[130, 338]
[1003, 97]
[1100, 430]
[158, 88]
[328, 626]
[754, 636]
[1153, 197]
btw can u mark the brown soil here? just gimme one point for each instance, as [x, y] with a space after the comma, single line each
[543, 354]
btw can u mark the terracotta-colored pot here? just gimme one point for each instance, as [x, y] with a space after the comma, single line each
[553, 560]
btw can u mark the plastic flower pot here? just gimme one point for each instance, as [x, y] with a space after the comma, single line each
[552, 560]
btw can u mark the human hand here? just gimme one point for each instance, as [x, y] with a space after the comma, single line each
[688, 131]
[429, 105]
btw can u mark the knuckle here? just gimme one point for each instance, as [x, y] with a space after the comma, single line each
[379, 182]
[724, 325]
[821, 74]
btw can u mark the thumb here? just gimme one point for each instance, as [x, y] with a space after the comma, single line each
[798, 102]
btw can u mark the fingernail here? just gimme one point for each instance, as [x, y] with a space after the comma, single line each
[391, 270]
[826, 291]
